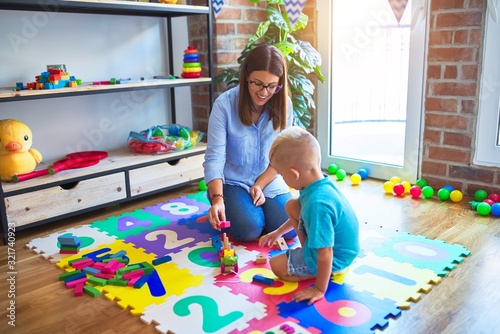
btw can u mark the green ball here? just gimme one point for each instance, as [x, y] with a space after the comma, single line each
[427, 191]
[333, 168]
[202, 186]
[483, 209]
[421, 183]
[341, 174]
[444, 194]
[480, 195]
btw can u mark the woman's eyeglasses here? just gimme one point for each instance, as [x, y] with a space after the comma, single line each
[258, 86]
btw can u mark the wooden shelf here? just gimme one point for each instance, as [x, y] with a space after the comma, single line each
[8, 94]
[112, 7]
[118, 160]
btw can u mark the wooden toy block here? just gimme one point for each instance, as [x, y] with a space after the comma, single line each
[133, 274]
[118, 254]
[132, 281]
[68, 240]
[70, 252]
[262, 280]
[99, 266]
[111, 266]
[75, 277]
[68, 274]
[216, 242]
[225, 224]
[128, 269]
[104, 276]
[97, 281]
[117, 281]
[82, 264]
[72, 284]
[91, 271]
[261, 259]
[78, 290]
[164, 259]
[91, 291]
[148, 269]
[282, 243]
[141, 281]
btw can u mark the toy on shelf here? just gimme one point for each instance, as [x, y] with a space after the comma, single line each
[16, 154]
[163, 138]
[191, 68]
[55, 77]
[227, 256]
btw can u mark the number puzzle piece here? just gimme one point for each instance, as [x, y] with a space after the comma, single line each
[207, 309]
[422, 252]
[386, 278]
[343, 310]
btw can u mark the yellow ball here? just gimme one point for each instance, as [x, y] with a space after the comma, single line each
[456, 196]
[407, 186]
[395, 180]
[355, 178]
[388, 187]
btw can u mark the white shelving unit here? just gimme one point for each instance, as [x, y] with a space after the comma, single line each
[123, 175]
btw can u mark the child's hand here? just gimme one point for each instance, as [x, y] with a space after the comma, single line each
[311, 293]
[268, 239]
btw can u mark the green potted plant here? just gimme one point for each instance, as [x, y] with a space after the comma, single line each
[302, 58]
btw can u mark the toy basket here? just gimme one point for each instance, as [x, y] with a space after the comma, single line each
[163, 138]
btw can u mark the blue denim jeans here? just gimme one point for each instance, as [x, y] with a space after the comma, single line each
[248, 221]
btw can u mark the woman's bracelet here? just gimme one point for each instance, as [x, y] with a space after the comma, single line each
[216, 195]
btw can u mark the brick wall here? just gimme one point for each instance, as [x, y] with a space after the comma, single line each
[453, 74]
[452, 89]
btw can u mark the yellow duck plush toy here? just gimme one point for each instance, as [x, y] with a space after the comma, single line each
[16, 154]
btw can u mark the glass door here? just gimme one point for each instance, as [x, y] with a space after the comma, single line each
[370, 107]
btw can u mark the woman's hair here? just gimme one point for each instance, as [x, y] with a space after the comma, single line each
[265, 58]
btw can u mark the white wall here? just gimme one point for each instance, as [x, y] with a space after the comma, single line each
[93, 48]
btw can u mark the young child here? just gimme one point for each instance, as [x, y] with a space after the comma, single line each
[324, 220]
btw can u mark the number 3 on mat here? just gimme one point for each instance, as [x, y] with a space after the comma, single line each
[212, 321]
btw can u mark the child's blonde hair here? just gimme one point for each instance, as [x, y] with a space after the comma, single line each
[295, 147]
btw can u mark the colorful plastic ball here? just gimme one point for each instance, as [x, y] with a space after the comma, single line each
[443, 194]
[495, 209]
[388, 187]
[421, 183]
[399, 189]
[202, 186]
[489, 201]
[407, 186]
[483, 209]
[494, 197]
[449, 187]
[456, 196]
[480, 195]
[332, 169]
[415, 191]
[427, 191]
[355, 179]
[395, 180]
[363, 173]
[341, 174]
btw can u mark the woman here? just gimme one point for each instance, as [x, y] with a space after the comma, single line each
[242, 187]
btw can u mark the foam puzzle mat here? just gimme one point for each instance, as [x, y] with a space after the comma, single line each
[190, 294]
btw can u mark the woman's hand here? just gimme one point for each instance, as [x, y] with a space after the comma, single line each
[257, 195]
[217, 212]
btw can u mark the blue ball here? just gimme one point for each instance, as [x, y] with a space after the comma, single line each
[363, 173]
[495, 209]
[450, 188]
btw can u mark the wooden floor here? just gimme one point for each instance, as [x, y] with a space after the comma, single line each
[466, 301]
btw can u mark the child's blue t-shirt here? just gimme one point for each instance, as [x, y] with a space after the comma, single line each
[329, 221]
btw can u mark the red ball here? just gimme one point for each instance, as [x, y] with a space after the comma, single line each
[494, 197]
[489, 201]
[398, 189]
[415, 191]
